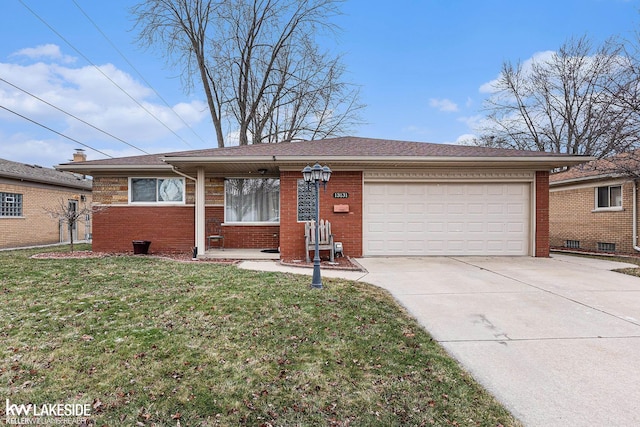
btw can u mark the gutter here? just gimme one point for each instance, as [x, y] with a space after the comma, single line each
[635, 216]
[551, 160]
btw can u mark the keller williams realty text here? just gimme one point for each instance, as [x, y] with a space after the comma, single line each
[48, 410]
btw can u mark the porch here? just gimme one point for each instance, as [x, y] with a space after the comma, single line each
[252, 254]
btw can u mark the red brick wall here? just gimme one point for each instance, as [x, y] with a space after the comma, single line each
[346, 227]
[542, 214]
[169, 228]
[245, 236]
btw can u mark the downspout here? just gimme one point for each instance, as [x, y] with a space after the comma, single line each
[635, 216]
[176, 171]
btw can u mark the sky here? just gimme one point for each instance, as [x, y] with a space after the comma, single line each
[423, 67]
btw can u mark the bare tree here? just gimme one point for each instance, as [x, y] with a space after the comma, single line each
[568, 102]
[70, 214]
[259, 63]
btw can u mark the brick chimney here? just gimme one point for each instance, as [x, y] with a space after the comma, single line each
[79, 155]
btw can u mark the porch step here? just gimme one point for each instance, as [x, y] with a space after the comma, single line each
[238, 254]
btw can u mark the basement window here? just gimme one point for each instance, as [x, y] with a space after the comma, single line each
[10, 205]
[572, 244]
[609, 197]
[606, 247]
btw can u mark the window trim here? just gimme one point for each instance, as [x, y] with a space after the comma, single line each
[157, 202]
[250, 223]
[21, 202]
[607, 208]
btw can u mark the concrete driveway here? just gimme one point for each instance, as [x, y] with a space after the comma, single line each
[556, 340]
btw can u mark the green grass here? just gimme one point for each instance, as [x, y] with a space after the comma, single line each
[157, 342]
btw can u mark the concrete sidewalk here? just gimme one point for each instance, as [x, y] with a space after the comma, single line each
[556, 340]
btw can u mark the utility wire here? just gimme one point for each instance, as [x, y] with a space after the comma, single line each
[103, 73]
[55, 131]
[71, 115]
[137, 72]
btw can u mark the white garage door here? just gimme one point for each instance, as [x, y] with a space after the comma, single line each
[446, 219]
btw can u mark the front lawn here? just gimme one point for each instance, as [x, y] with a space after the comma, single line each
[151, 342]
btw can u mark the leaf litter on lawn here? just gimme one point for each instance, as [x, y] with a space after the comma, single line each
[147, 341]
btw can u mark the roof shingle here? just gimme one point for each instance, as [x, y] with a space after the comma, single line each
[344, 146]
[34, 173]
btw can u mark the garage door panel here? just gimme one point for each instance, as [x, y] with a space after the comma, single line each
[446, 219]
[475, 208]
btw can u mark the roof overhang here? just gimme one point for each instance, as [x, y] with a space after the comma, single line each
[229, 165]
[578, 180]
[89, 169]
[80, 185]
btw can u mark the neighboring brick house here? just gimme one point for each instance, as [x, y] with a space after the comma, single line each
[384, 198]
[593, 207]
[28, 192]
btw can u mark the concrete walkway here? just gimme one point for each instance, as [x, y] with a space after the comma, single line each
[556, 340]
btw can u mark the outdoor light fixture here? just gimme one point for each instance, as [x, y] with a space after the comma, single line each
[316, 175]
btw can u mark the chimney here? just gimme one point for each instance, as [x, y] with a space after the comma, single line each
[79, 155]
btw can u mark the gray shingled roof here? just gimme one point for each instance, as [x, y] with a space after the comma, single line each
[619, 165]
[343, 146]
[34, 173]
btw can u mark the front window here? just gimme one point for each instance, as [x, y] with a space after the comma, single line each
[156, 190]
[609, 197]
[252, 200]
[10, 204]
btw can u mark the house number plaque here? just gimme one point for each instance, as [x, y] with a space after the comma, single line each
[341, 195]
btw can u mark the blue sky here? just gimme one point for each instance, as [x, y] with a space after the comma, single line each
[420, 64]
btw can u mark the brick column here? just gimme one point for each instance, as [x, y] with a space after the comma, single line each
[542, 214]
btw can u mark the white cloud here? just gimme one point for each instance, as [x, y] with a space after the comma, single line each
[86, 93]
[444, 104]
[466, 139]
[45, 51]
[491, 86]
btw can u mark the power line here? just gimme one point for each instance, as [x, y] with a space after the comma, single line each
[102, 72]
[55, 131]
[136, 70]
[71, 115]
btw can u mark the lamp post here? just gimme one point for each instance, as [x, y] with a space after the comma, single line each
[317, 174]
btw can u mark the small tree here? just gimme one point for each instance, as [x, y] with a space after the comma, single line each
[69, 213]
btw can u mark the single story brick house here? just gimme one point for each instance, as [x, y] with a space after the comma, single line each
[27, 192]
[594, 207]
[384, 198]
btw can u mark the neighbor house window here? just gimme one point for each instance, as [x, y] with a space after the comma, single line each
[252, 200]
[156, 190]
[573, 244]
[606, 247]
[10, 204]
[609, 197]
